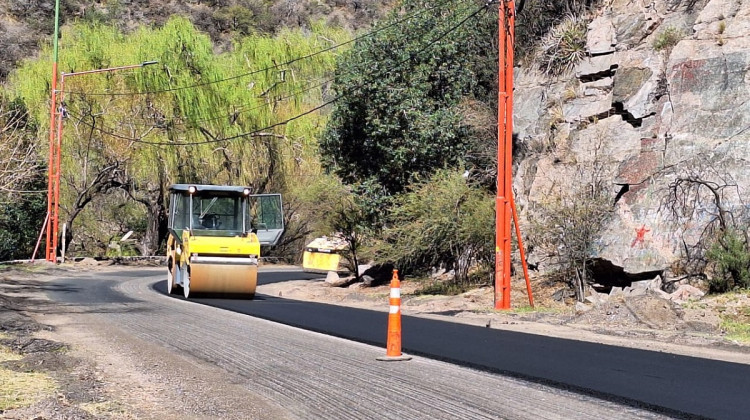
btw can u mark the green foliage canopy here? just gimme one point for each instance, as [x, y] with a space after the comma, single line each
[398, 116]
[21, 219]
[731, 258]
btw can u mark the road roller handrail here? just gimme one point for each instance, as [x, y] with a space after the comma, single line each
[176, 235]
[204, 187]
[219, 232]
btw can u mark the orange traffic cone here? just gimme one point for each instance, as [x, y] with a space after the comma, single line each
[393, 346]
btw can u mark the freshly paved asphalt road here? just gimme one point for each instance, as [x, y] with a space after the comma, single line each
[679, 384]
[675, 385]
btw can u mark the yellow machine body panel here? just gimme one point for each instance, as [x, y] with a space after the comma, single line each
[217, 245]
[324, 254]
[314, 261]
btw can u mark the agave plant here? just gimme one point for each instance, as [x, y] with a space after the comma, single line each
[564, 46]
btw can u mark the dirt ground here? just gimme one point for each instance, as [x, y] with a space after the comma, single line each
[56, 365]
[89, 378]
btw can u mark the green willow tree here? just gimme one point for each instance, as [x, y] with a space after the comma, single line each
[196, 116]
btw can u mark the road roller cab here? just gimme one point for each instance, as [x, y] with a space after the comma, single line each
[215, 237]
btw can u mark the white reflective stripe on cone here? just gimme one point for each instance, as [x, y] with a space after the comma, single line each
[395, 293]
[394, 309]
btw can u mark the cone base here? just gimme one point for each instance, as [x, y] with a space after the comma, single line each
[393, 358]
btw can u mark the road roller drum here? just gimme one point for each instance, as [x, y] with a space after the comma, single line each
[223, 278]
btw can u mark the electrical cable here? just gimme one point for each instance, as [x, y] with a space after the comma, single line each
[284, 122]
[275, 66]
[246, 108]
[238, 110]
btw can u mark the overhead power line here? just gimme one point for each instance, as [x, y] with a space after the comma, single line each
[104, 129]
[275, 66]
[257, 132]
[247, 108]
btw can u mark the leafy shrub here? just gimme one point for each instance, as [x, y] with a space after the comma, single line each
[564, 46]
[731, 258]
[21, 218]
[667, 38]
[443, 222]
[235, 18]
[401, 119]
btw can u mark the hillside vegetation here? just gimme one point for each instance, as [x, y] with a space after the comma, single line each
[24, 24]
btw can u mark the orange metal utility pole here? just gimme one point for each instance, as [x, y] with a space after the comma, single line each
[51, 175]
[506, 22]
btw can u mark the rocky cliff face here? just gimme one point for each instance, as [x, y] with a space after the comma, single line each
[662, 97]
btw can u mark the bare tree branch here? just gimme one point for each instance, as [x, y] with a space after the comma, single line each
[18, 154]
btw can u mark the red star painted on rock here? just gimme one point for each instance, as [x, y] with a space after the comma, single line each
[639, 235]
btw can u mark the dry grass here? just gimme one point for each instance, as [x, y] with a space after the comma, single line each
[21, 389]
[734, 310]
[7, 355]
[106, 409]
[667, 38]
[738, 331]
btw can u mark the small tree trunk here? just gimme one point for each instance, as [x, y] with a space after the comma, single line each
[156, 229]
[579, 285]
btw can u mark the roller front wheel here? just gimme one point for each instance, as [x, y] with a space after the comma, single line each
[173, 279]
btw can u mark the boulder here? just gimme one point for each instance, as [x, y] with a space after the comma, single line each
[561, 294]
[597, 299]
[380, 274]
[334, 280]
[632, 28]
[367, 281]
[596, 67]
[362, 268]
[332, 277]
[686, 293]
[582, 109]
[633, 88]
[597, 87]
[647, 285]
[88, 261]
[631, 292]
[600, 38]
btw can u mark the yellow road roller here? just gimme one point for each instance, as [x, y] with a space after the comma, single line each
[215, 235]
